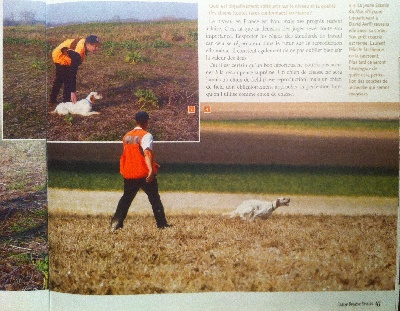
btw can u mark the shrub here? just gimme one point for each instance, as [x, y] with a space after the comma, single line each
[40, 65]
[159, 44]
[69, 119]
[134, 57]
[193, 34]
[133, 44]
[147, 98]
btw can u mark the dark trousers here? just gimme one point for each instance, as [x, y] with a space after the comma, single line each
[62, 80]
[131, 188]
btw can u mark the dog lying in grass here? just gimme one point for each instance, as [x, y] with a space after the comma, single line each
[252, 209]
[82, 107]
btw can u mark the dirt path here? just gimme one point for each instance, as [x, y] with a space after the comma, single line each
[102, 202]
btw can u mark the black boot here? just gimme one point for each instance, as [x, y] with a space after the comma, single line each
[161, 220]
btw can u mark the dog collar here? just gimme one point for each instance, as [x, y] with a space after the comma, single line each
[89, 101]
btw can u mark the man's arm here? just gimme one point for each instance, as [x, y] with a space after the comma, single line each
[149, 158]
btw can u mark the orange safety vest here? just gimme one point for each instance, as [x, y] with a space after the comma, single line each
[132, 162]
[78, 45]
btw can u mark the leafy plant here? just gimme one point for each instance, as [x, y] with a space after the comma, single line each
[69, 119]
[108, 48]
[132, 44]
[134, 57]
[40, 65]
[193, 34]
[43, 266]
[22, 259]
[8, 106]
[157, 44]
[147, 98]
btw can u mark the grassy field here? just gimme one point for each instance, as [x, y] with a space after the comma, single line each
[23, 216]
[24, 82]
[353, 125]
[152, 66]
[340, 181]
[208, 253]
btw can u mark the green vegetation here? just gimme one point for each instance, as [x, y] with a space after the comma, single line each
[147, 98]
[134, 57]
[332, 124]
[329, 181]
[42, 265]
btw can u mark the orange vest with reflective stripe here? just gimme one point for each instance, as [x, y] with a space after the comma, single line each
[78, 45]
[132, 161]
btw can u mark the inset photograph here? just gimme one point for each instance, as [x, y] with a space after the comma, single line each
[97, 70]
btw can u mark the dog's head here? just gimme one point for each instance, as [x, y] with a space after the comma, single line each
[282, 202]
[93, 96]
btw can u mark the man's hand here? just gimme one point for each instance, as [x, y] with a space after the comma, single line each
[150, 177]
[73, 97]
[148, 157]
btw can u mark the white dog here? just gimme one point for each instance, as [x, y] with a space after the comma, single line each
[252, 209]
[82, 107]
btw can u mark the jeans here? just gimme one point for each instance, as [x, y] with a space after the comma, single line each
[131, 188]
[62, 80]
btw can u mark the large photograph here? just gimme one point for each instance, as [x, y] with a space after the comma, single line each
[263, 203]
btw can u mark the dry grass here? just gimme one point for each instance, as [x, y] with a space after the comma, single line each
[209, 253]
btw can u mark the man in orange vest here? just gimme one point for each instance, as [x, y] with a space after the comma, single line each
[139, 169]
[67, 57]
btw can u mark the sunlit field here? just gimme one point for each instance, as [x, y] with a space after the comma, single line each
[207, 252]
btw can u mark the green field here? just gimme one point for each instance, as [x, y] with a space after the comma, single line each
[331, 181]
[329, 124]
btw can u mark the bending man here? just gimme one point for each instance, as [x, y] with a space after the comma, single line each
[67, 57]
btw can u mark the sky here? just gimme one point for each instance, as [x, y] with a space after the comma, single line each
[61, 11]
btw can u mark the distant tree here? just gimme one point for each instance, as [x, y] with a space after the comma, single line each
[116, 18]
[28, 17]
[9, 21]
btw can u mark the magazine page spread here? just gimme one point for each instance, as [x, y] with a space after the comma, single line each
[187, 155]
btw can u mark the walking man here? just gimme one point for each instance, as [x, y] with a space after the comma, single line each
[139, 169]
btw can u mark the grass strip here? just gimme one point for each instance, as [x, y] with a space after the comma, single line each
[332, 124]
[330, 181]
